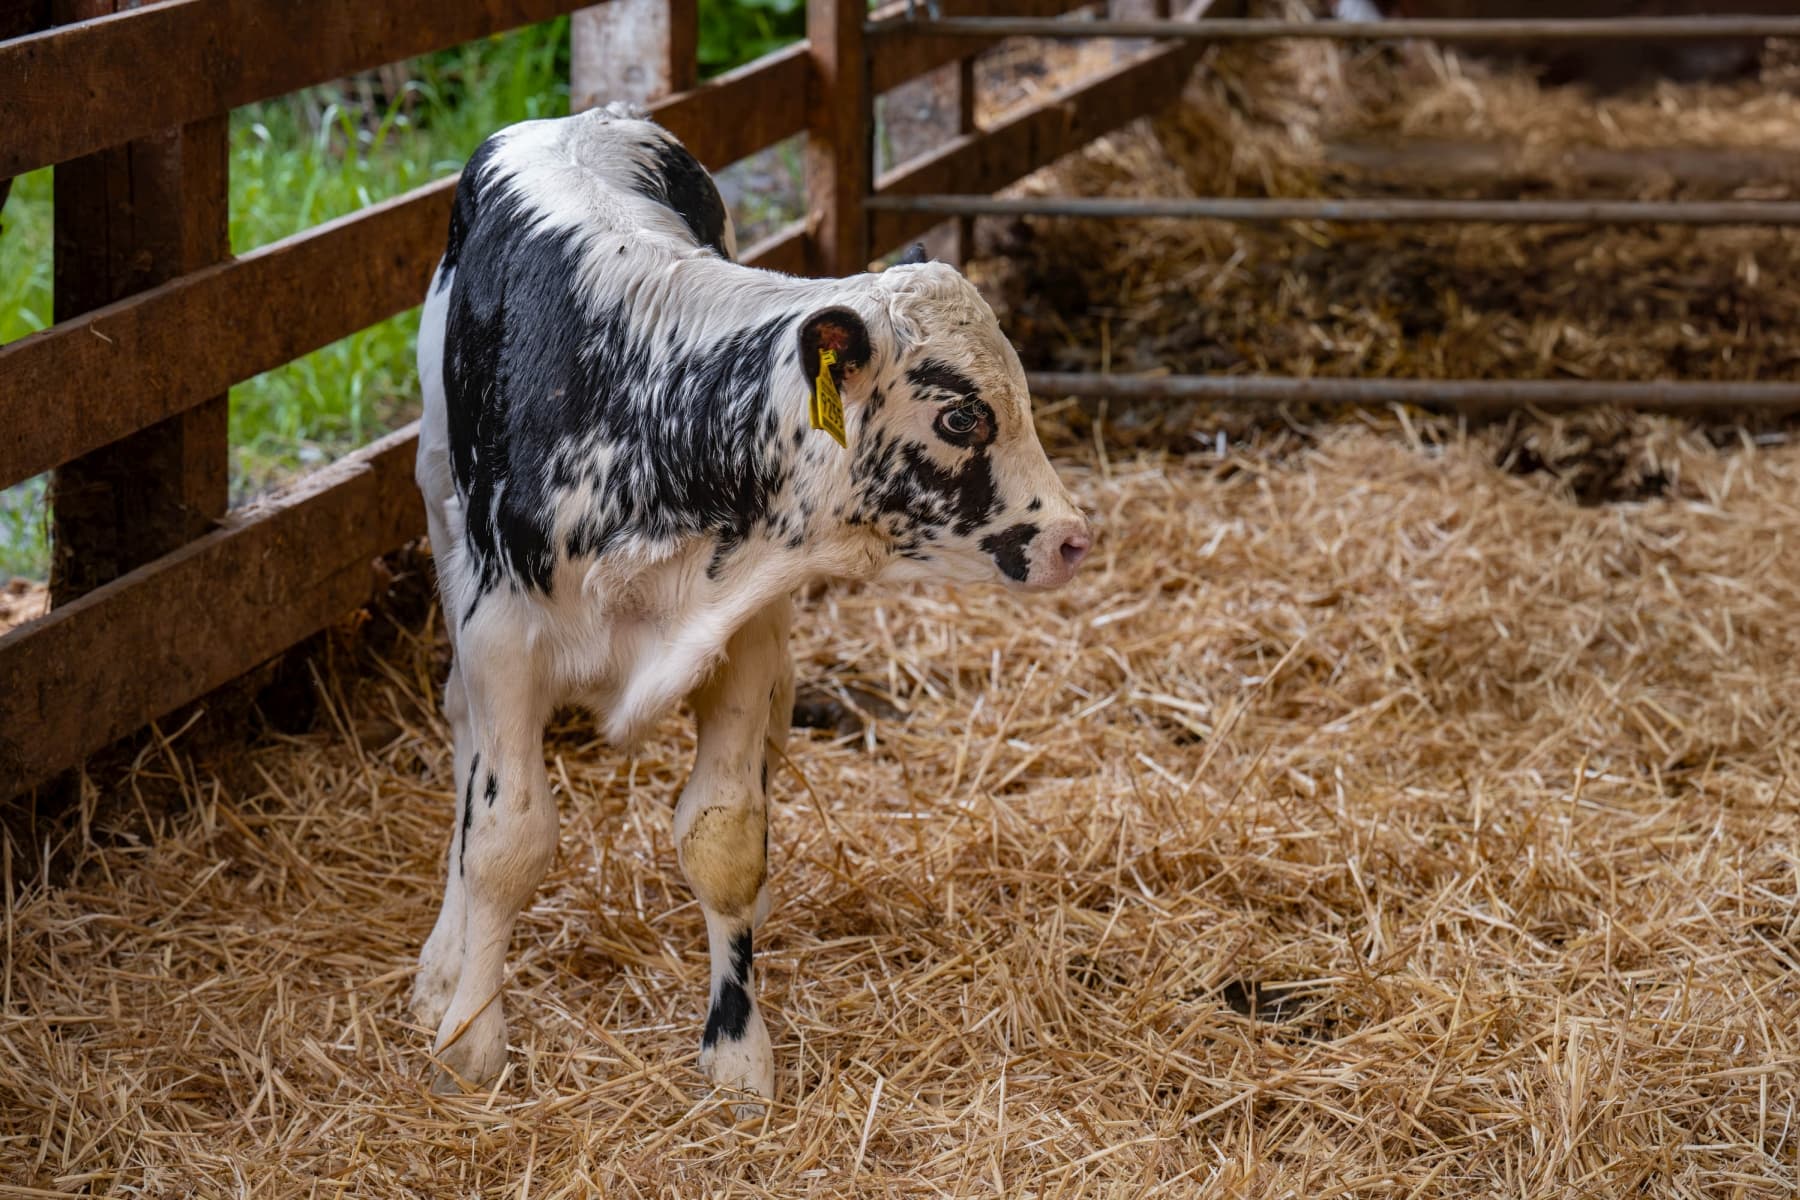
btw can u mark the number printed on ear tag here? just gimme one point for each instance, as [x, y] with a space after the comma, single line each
[827, 407]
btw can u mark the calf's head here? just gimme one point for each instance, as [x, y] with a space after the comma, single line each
[945, 461]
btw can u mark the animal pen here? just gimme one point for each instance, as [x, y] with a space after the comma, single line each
[1559, 975]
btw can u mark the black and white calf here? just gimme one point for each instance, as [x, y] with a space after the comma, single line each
[624, 487]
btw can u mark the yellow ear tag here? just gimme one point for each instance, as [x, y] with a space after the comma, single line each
[827, 406]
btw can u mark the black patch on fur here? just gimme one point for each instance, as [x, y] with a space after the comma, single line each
[1036, 503]
[696, 428]
[468, 813]
[899, 479]
[462, 206]
[1009, 548]
[491, 789]
[535, 381]
[506, 278]
[933, 376]
[742, 951]
[730, 1014]
[721, 554]
[681, 183]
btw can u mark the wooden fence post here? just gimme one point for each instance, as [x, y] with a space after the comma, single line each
[839, 138]
[636, 50]
[126, 219]
[18, 18]
[967, 85]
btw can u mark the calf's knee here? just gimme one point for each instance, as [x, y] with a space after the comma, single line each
[511, 853]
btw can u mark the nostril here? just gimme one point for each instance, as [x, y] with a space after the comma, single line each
[1075, 548]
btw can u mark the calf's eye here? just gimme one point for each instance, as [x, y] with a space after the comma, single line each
[970, 423]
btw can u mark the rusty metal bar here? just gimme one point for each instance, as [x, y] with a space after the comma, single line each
[1226, 208]
[1022, 141]
[1263, 29]
[1471, 396]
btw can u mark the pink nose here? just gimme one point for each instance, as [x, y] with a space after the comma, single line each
[1075, 548]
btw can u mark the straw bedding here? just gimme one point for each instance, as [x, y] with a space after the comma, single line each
[1389, 808]
[1429, 301]
[1368, 818]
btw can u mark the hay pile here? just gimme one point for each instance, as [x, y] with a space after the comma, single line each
[1302, 119]
[1368, 818]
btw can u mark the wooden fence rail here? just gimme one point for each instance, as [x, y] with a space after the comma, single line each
[78, 88]
[88, 381]
[93, 379]
[133, 352]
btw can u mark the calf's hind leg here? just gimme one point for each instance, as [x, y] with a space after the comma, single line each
[506, 842]
[721, 834]
[440, 962]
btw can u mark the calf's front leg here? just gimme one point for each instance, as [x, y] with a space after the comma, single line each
[721, 834]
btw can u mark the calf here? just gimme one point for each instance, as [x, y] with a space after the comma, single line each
[633, 451]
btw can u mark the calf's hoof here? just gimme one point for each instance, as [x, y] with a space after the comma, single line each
[432, 990]
[474, 1059]
[743, 1064]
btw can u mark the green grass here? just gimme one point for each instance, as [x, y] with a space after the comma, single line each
[301, 161]
[24, 308]
[736, 31]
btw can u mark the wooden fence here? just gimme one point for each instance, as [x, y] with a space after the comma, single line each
[160, 592]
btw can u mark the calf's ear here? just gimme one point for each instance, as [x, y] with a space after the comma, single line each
[840, 331]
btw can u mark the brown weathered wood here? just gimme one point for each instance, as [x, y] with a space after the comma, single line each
[784, 250]
[742, 111]
[967, 93]
[20, 17]
[80, 384]
[169, 632]
[72, 91]
[916, 119]
[684, 44]
[83, 383]
[634, 50]
[1063, 122]
[903, 58]
[127, 219]
[839, 149]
